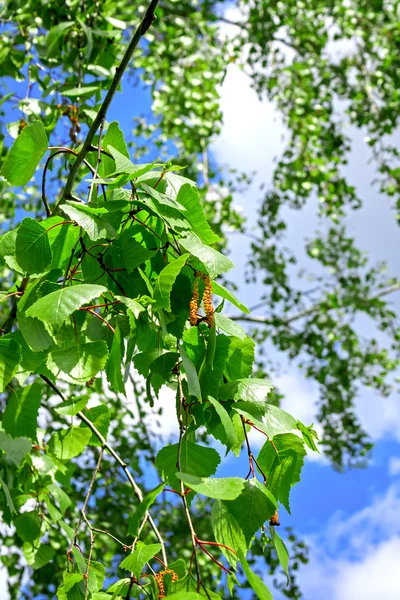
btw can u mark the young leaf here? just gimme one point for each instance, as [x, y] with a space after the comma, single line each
[25, 154]
[62, 240]
[32, 247]
[191, 374]
[195, 459]
[232, 439]
[309, 435]
[188, 196]
[67, 444]
[136, 561]
[138, 515]
[214, 262]
[162, 198]
[248, 390]
[227, 488]
[100, 417]
[257, 503]
[114, 373]
[78, 363]
[56, 307]
[240, 358]
[20, 416]
[10, 356]
[282, 465]
[230, 326]
[281, 551]
[227, 531]
[166, 280]
[257, 584]
[16, 449]
[90, 219]
[222, 291]
[28, 526]
[72, 406]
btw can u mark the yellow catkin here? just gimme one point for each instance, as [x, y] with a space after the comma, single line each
[159, 577]
[274, 520]
[208, 307]
[194, 303]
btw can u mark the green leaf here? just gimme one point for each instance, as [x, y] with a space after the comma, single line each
[100, 417]
[136, 561]
[230, 326]
[56, 307]
[227, 531]
[16, 449]
[281, 550]
[78, 363]
[137, 517]
[84, 90]
[67, 444]
[53, 39]
[38, 558]
[257, 584]
[188, 196]
[282, 462]
[214, 262]
[25, 154]
[32, 247]
[114, 138]
[113, 370]
[191, 374]
[195, 459]
[240, 358]
[186, 596]
[162, 199]
[62, 240]
[133, 305]
[20, 416]
[72, 406]
[211, 374]
[28, 526]
[256, 503]
[222, 291]
[166, 280]
[309, 435]
[130, 252]
[227, 488]
[233, 443]
[10, 356]
[8, 497]
[90, 219]
[248, 390]
[34, 331]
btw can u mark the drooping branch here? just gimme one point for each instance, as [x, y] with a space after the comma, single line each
[136, 489]
[101, 115]
[307, 311]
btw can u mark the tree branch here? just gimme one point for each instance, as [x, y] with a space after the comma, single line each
[307, 311]
[87, 144]
[136, 489]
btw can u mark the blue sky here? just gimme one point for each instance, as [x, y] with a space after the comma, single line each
[352, 520]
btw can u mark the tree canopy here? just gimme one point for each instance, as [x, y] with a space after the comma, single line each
[116, 283]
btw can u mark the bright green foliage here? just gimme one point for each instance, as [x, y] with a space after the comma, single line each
[70, 330]
[103, 310]
[26, 154]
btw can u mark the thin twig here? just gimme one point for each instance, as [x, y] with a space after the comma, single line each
[136, 489]
[308, 311]
[140, 31]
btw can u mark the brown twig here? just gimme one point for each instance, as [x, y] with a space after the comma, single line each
[136, 489]
[140, 31]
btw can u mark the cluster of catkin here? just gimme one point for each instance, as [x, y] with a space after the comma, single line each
[194, 303]
[274, 520]
[159, 577]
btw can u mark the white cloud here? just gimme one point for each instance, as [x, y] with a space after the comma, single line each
[394, 465]
[356, 557]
